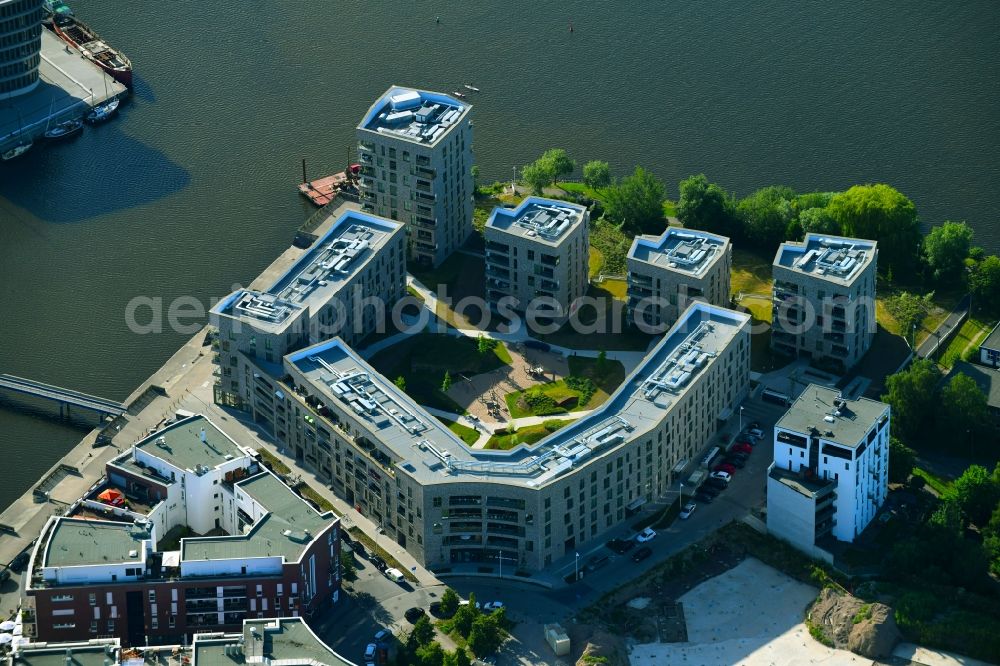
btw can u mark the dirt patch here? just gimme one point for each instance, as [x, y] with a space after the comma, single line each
[602, 648]
[867, 629]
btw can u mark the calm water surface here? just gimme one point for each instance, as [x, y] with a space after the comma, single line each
[192, 188]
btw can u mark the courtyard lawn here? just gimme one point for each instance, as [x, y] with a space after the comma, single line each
[751, 273]
[423, 359]
[595, 262]
[465, 433]
[604, 329]
[608, 375]
[525, 435]
[587, 387]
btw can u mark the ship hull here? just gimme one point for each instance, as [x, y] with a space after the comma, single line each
[80, 36]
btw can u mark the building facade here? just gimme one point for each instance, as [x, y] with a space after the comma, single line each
[537, 253]
[824, 298]
[20, 46]
[344, 285]
[830, 472]
[667, 272]
[188, 534]
[447, 503]
[989, 349]
[415, 149]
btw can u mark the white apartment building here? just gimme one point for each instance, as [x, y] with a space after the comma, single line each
[667, 272]
[415, 149]
[830, 472]
[537, 253]
[824, 298]
[341, 286]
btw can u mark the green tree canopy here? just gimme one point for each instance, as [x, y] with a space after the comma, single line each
[909, 310]
[597, 174]
[446, 382]
[984, 283]
[911, 395]
[946, 248]
[901, 460]
[808, 200]
[431, 654]
[401, 383]
[422, 634]
[537, 175]
[965, 414]
[488, 633]
[636, 203]
[557, 162]
[881, 213]
[449, 602]
[706, 206]
[457, 658]
[977, 494]
[819, 221]
[766, 215]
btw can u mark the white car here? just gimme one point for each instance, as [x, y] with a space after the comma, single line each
[647, 534]
[370, 652]
[721, 475]
[688, 510]
[395, 575]
[491, 606]
[757, 432]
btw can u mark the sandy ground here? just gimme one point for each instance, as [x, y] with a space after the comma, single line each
[473, 393]
[751, 614]
[930, 657]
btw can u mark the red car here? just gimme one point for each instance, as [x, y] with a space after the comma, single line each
[742, 448]
[725, 467]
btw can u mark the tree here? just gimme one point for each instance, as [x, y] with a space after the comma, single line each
[602, 361]
[964, 408]
[818, 221]
[487, 634]
[911, 395]
[457, 658]
[347, 569]
[446, 382]
[901, 460]
[808, 200]
[948, 517]
[431, 654]
[475, 177]
[766, 215]
[881, 213]
[537, 175]
[557, 163]
[984, 283]
[464, 617]
[946, 248]
[422, 634]
[597, 174]
[636, 203]
[909, 310]
[706, 206]
[449, 602]
[976, 494]
[401, 383]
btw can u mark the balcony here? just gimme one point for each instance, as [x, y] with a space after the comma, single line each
[426, 172]
[423, 196]
[493, 246]
[639, 279]
[497, 259]
[492, 270]
[423, 186]
[550, 260]
[551, 285]
[840, 351]
[464, 513]
[364, 146]
[425, 211]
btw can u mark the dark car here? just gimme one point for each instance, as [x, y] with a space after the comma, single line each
[413, 614]
[709, 490]
[17, 564]
[621, 546]
[704, 497]
[742, 448]
[537, 344]
[721, 484]
[596, 562]
[641, 554]
[378, 562]
[728, 468]
[738, 462]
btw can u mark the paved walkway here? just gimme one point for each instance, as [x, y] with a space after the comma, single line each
[945, 328]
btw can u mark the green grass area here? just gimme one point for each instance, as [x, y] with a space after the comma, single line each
[938, 484]
[465, 433]
[587, 387]
[751, 273]
[606, 329]
[370, 544]
[617, 288]
[323, 503]
[595, 262]
[670, 208]
[272, 462]
[459, 276]
[968, 337]
[580, 188]
[525, 435]
[612, 243]
[607, 375]
[423, 359]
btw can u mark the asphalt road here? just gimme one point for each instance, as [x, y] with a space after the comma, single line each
[954, 319]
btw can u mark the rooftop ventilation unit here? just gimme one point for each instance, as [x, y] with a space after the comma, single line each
[548, 221]
[680, 366]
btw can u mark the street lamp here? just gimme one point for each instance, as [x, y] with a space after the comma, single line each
[680, 496]
[741, 418]
[576, 577]
[501, 564]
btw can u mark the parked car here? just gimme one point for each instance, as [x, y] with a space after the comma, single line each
[382, 636]
[17, 564]
[754, 425]
[620, 546]
[710, 489]
[395, 575]
[378, 562]
[726, 467]
[647, 534]
[725, 476]
[717, 483]
[596, 562]
[491, 606]
[704, 497]
[742, 448]
[370, 651]
[737, 461]
[413, 614]
[756, 432]
[688, 510]
[641, 554]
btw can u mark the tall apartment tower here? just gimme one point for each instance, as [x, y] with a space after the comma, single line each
[538, 250]
[415, 149]
[824, 298]
[20, 46]
[830, 472]
[667, 272]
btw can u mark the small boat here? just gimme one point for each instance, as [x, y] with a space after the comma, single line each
[472, 88]
[459, 95]
[65, 130]
[102, 112]
[16, 151]
[79, 35]
[54, 8]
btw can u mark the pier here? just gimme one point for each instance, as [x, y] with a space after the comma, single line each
[66, 398]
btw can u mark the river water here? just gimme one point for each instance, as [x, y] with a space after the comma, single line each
[192, 189]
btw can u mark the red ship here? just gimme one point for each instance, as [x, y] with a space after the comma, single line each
[77, 34]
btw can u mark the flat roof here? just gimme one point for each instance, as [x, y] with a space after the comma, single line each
[286, 530]
[64, 654]
[353, 240]
[539, 219]
[420, 116]
[688, 251]
[992, 341]
[799, 482]
[181, 445]
[430, 452]
[77, 542]
[286, 640]
[986, 378]
[833, 258]
[817, 404]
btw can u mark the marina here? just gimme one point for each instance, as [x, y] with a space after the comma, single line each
[69, 87]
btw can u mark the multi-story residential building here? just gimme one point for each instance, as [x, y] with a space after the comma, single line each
[448, 503]
[188, 534]
[415, 149]
[830, 472]
[824, 298]
[342, 286]
[20, 46]
[286, 640]
[667, 272]
[537, 253]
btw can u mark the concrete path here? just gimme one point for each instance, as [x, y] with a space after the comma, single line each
[945, 328]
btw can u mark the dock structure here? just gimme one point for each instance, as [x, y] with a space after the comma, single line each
[324, 190]
[65, 397]
[69, 86]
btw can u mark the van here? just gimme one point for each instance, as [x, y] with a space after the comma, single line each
[395, 575]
